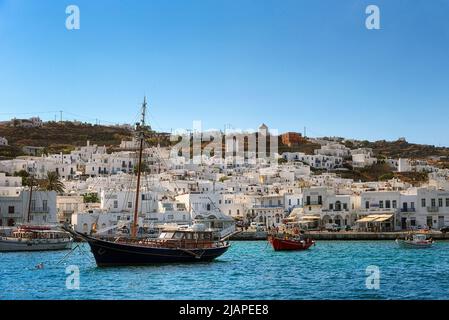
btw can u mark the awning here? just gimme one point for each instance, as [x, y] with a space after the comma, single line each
[375, 218]
[310, 218]
[384, 218]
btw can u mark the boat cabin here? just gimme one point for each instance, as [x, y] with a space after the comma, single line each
[39, 234]
[187, 235]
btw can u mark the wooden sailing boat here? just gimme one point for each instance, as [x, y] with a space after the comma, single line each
[177, 244]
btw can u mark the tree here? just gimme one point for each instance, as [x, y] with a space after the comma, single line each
[90, 198]
[25, 177]
[144, 168]
[52, 183]
[282, 161]
[386, 176]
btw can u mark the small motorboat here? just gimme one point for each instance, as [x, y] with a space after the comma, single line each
[290, 243]
[415, 241]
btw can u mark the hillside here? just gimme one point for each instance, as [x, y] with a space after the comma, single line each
[65, 136]
[400, 149]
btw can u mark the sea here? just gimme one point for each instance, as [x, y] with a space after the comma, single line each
[348, 270]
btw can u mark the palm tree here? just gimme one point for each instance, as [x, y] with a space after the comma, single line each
[52, 183]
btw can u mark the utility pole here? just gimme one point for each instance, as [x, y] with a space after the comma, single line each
[60, 113]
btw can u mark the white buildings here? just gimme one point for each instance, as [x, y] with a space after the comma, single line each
[181, 191]
[68, 205]
[14, 204]
[8, 181]
[333, 149]
[314, 161]
[404, 165]
[3, 141]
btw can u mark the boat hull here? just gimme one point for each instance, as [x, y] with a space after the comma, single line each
[108, 254]
[290, 245]
[12, 245]
[413, 245]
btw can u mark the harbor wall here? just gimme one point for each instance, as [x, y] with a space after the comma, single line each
[246, 236]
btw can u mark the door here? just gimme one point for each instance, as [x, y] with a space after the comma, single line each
[404, 223]
[440, 221]
[429, 221]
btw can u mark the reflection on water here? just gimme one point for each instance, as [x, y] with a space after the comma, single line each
[249, 270]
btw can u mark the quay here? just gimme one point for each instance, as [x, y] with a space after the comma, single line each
[342, 235]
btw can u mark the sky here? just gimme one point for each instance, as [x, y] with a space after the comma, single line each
[287, 63]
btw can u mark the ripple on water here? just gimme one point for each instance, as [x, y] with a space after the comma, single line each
[249, 270]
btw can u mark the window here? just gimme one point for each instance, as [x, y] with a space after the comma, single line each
[44, 205]
[308, 200]
[381, 204]
[345, 207]
[433, 202]
[423, 203]
[387, 204]
[11, 209]
[130, 204]
[115, 204]
[447, 202]
[394, 204]
[320, 200]
[289, 202]
[331, 206]
[412, 205]
[366, 204]
[440, 202]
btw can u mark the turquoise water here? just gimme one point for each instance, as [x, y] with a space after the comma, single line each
[249, 270]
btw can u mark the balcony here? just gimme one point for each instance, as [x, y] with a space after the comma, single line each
[335, 210]
[267, 206]
[40, 210]
[313, 203]
[432, 209]
[408, 210]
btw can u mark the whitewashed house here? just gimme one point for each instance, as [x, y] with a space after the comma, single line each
[3, 141]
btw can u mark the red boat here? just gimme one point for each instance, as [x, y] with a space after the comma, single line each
[282, 243]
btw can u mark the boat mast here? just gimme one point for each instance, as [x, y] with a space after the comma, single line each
[29, 200]
[141, 136]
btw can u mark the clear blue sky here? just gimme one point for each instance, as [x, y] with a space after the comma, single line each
[288, 63]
